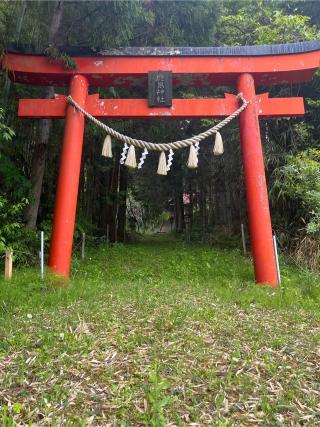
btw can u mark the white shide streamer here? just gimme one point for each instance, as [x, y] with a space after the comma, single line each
[124, 153]
[143, 158]
[151, 146]
[170, 159]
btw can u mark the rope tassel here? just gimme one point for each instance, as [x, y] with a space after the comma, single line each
[218, 145]
[192, 162]
[162, 166]
[131, 161]
[150, 146]
[107, 147]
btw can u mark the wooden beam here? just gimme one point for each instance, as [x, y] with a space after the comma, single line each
[181, 108]
[187, 71]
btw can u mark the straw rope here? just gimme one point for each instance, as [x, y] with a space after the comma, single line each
[166, 146]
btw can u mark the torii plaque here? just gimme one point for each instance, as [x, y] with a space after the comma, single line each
[242, 67]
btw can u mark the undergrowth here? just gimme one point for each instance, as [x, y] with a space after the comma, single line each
[160, 333]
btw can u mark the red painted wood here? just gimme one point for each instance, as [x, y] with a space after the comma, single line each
[181, 108]
[188, 71]
[67, 188]
[256, 189]
[245, 72]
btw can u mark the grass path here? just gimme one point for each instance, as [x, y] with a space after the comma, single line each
[160, 334]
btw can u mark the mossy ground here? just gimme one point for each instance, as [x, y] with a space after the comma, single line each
[160, 333]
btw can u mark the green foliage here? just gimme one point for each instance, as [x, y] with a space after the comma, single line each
[264, 22]
[55, 55]
[8, 413]
[12, 201]
[299, 182]
[10, 221]
[6, 133]
[157, 399]
[292, 176]
[2, 20]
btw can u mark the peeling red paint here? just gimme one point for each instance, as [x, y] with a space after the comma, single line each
[181, 108]
[255, 183]
[131, 71]
[245, 72]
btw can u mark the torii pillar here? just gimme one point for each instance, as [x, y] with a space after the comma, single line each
[68, 181]
[256, 188]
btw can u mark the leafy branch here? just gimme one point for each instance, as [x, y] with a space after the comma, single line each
[55, 55]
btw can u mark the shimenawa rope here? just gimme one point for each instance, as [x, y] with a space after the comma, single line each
[166, 146]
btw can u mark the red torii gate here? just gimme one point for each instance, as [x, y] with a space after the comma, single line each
[242, 67]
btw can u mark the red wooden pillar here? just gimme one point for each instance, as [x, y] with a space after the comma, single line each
[68, 181]
[256, 189]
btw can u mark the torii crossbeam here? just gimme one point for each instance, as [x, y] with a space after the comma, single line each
[242, 67]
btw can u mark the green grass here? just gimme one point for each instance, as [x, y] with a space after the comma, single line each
[160, 333]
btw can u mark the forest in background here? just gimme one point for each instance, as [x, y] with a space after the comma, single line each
[113, 200]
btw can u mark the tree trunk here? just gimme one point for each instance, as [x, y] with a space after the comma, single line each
[56, 22]
[203, 207]
[38, 161]
[122, 204]
[211, 207]
[179, 208]
[37, 171]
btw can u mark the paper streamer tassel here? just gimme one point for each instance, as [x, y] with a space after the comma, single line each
[124, 153]
[218, 145]
[143, 158]
[107, 147]
[131, 161]
[192, 162]
[170, 160]
[162, 166]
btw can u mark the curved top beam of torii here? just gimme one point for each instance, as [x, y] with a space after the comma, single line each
[191, 66]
